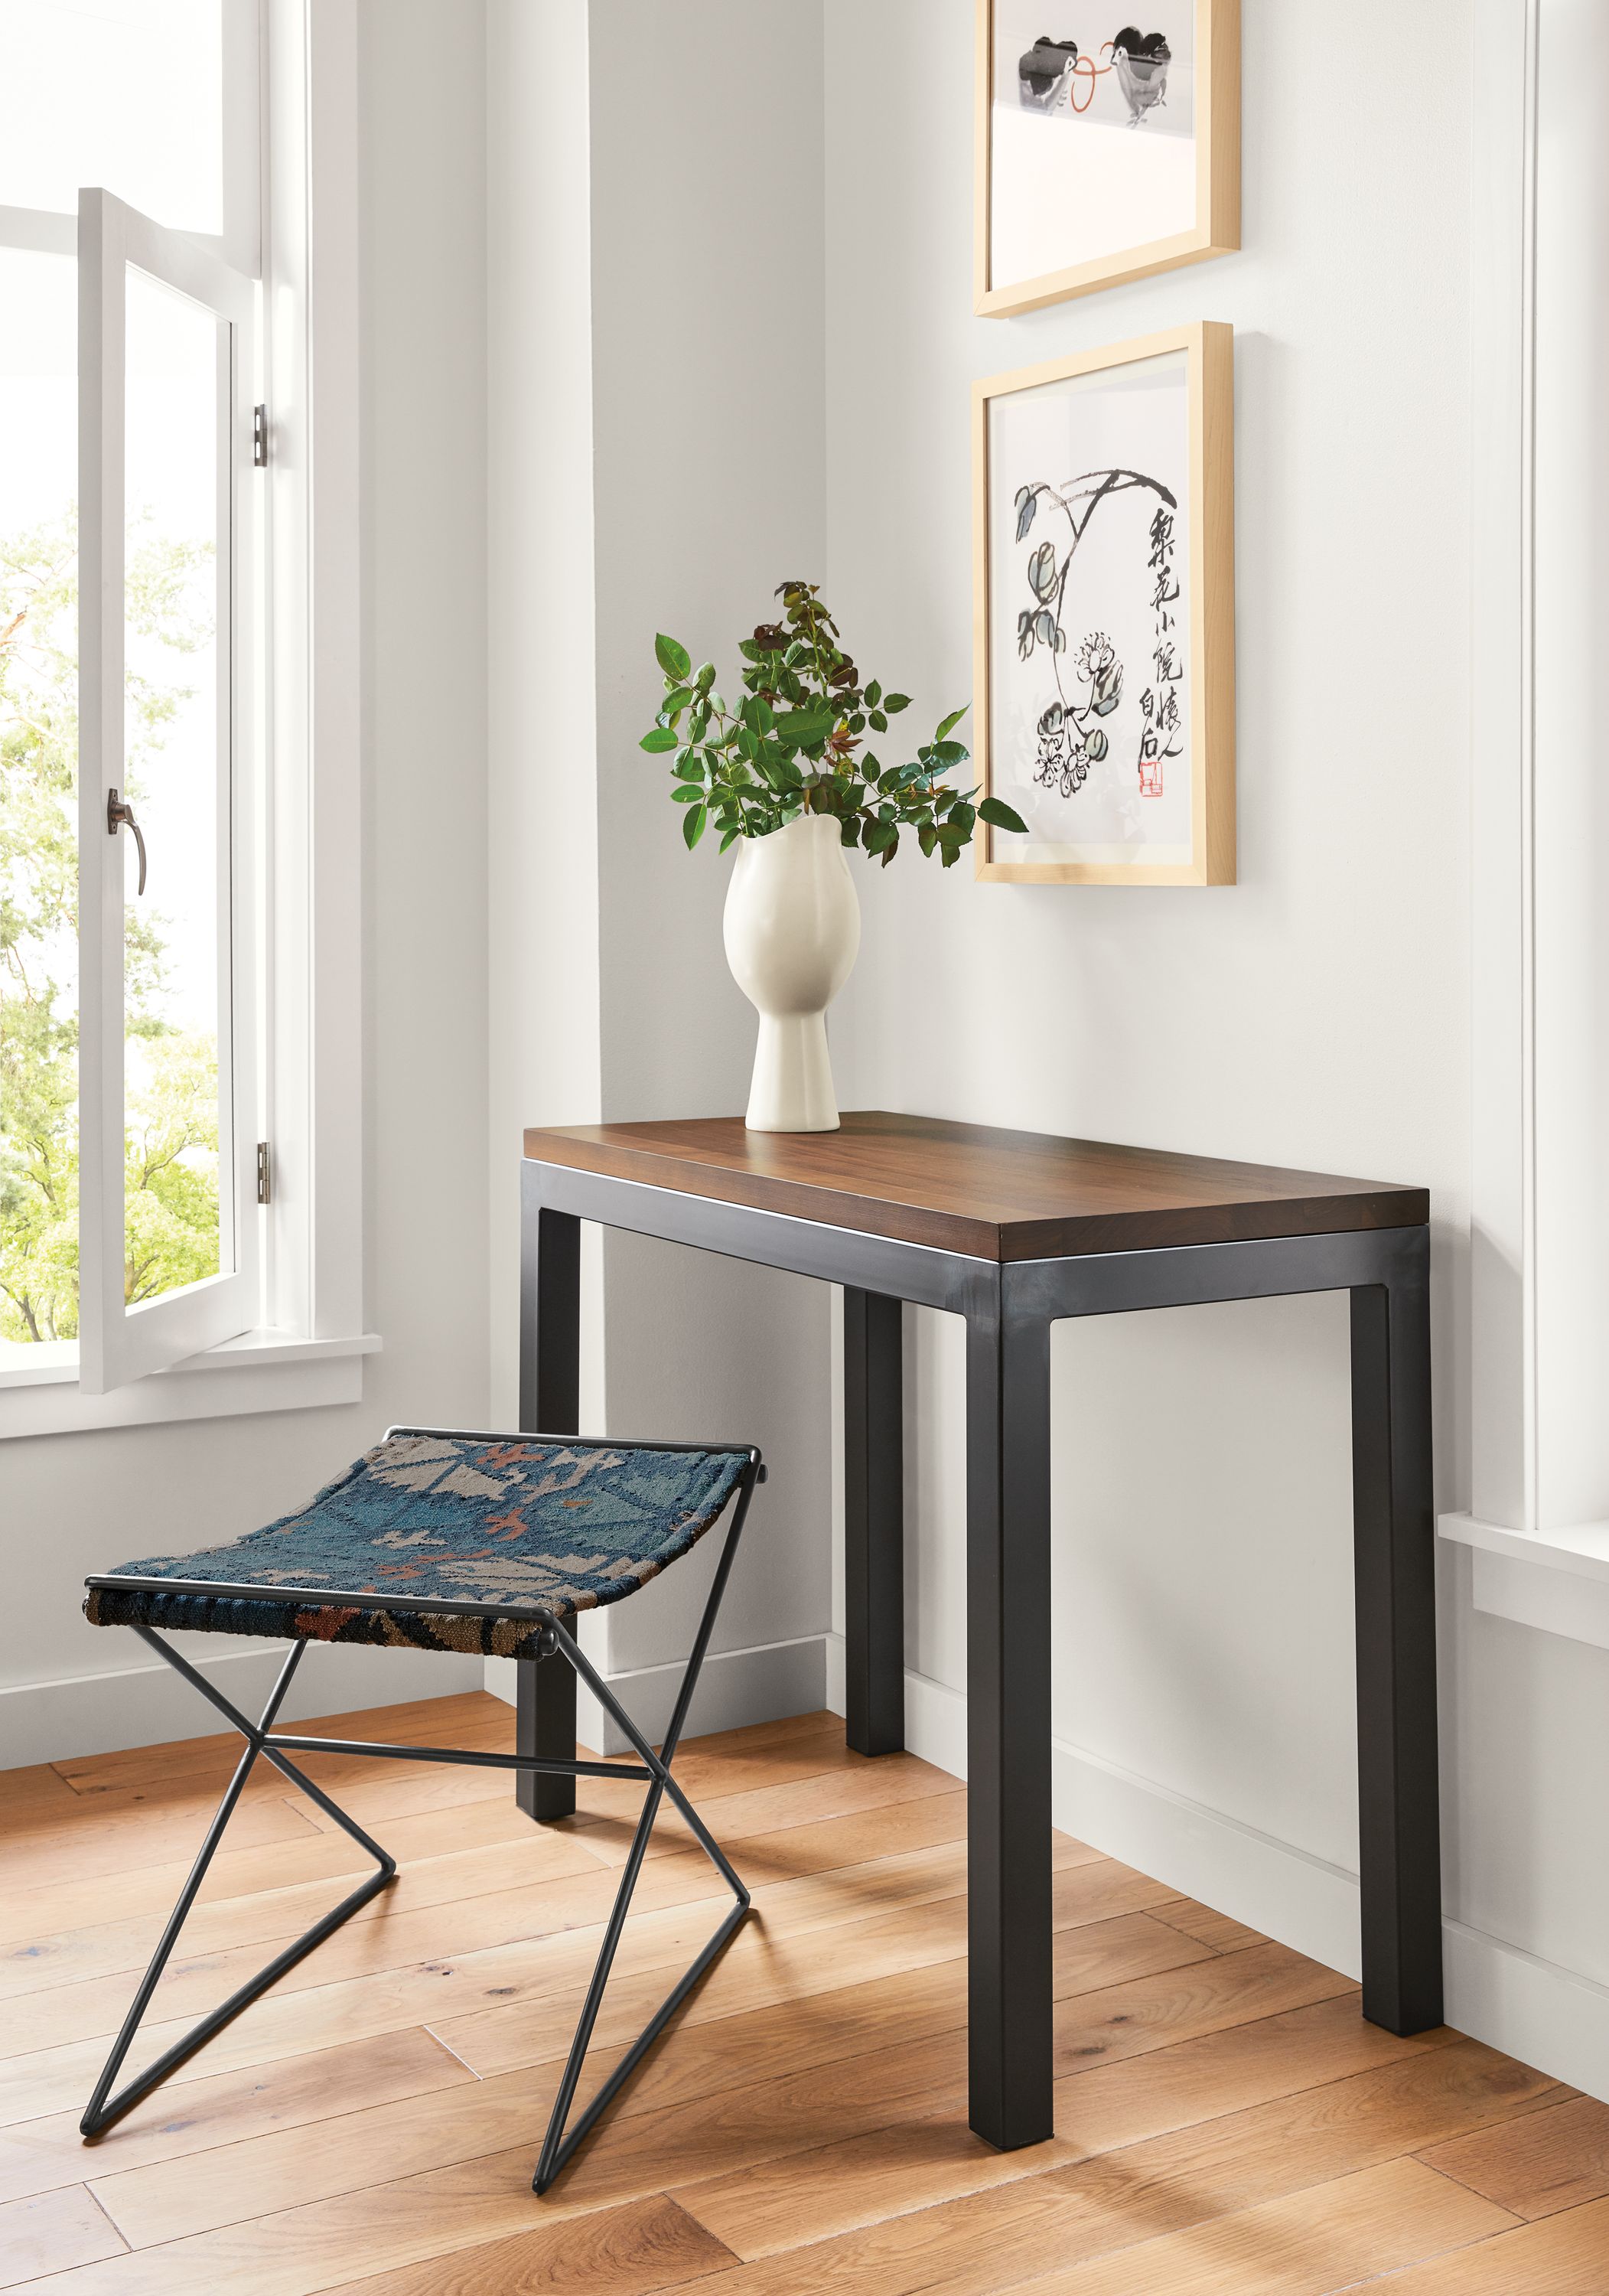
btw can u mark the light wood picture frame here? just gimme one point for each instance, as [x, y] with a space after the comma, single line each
[1089, 179]
[1104, 613]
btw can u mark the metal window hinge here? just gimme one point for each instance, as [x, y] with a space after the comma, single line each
[259, 437]
[264, 1180]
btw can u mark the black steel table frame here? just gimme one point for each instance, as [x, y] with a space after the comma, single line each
[1009, 1307]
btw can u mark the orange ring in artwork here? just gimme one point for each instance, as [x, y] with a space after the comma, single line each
[1086, 64]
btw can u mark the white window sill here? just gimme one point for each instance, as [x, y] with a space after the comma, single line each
[260, 1371]
[1554, 1580]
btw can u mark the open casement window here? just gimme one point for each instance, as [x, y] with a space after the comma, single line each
[168, 1057]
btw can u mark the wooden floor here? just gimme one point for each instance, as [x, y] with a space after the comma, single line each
[1226, 2121]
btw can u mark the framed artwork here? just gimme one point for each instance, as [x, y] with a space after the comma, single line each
[1106, 149]
[1104, 613]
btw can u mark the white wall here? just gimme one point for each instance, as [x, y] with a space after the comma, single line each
[1311, 1015]
[1315, 1014]
[656, 464]
[81, 1502]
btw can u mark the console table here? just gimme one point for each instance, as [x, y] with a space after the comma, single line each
[1013, 1230]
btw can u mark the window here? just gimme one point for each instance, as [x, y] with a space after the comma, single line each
[161, 709]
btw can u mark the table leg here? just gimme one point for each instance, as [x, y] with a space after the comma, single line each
[1008, 1723]
[550, 1404]
[874, 1523]
[1394, 1546]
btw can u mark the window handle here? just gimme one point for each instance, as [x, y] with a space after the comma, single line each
[119, 814]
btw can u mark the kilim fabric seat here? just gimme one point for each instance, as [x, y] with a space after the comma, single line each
[439, 1539]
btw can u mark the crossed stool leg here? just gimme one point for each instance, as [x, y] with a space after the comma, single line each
[264, 1742]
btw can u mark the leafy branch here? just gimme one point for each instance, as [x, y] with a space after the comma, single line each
[794, 744]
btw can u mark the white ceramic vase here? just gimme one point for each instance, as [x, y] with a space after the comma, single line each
[793, 926]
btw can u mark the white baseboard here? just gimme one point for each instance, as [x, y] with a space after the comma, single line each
[1532, 2009]
[148, 1705]
[764, 1684]
[1535, 2010]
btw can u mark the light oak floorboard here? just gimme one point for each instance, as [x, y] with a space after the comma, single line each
[226, 2108]
[778, 1955]
[1214, 1928]
[101, 1848]
[1548, 2161]
[423, 1721]
[509, 1945]
[1560, 2256]
[713, 1779]
[165, 2201]
[1309, 2244]
[915, 2237]
[630, 2251]
[33, 1796]
[52, 2233]
[48, 1907]
[801, 1979]
[179, 1779]
[272, 1915]
[917, 2158]
[1225, 2119]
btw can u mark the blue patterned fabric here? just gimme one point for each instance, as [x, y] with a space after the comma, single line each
[492, 1520]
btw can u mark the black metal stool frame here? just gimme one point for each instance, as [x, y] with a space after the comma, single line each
[276, 1746]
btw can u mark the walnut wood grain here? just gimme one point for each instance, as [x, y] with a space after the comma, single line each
[973, 1188]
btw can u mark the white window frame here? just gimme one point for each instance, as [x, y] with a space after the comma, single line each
[307, 1347]
[117, 1343]
[1536, 1517]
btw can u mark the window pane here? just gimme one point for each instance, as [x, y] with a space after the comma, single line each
[39, 785]
[126, 94]
[172, 975]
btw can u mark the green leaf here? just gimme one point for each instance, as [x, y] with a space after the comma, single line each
[874, 694]
[949, 753]
[705, 678]
[730, 837]
[948, 854]
[689, 769]
[676, 700]
[674, 659]
[878, 834]
[849, 830]
[692, 825]
[999, 815]
[804, 726]
[947, 726]
[690, 793]
[661, 738]
[880, 724]
[895, 702]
